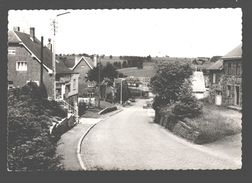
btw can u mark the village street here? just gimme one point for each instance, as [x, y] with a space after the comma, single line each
[130, 140]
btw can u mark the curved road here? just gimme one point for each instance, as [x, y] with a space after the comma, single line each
[130, 140]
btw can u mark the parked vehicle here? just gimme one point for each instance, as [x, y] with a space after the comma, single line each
[132, 100]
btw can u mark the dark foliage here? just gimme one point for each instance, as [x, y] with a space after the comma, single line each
[108, 71]
[82, 108]
[188, 105]
[167, 82]
[30, 146]
[126, 94]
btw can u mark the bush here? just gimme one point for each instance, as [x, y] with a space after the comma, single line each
[82, 108]
[188, 105]
[30, 145]
[190, 110]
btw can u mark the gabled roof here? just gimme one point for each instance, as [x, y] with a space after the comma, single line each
[34, 47]
[88, 61]
[236, 53]
[215, 58]
[12, 38]
[69, 61]
[218, 65]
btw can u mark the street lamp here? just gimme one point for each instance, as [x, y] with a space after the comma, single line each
[54, 52]
[99, 82]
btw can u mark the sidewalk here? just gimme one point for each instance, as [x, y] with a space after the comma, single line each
[68, 143]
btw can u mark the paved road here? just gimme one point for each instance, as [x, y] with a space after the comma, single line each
[131, 141]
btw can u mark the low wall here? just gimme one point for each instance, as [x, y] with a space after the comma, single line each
[178, 125]
[107, 109]
[64, 125]
[183, 130]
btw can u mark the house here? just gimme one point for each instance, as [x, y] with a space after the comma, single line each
[198, 85]
[81, 64]
[143, 77]
[216, 74]
[24, 65]
[232, 79]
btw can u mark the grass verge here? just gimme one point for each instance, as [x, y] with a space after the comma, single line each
[216, 123]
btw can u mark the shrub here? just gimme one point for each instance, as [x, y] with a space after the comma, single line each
[30, 145]
[82, 108]
[188, 105]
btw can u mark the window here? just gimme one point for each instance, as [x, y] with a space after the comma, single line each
[228, 91]
[214, 78]
[229, 68]
[21, 66]
[238, 69]
[10, 84]
[11, 52]
[74, 84]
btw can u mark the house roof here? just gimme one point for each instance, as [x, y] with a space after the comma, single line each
[35, 48]
[236, 53]
[12, 38]
[88, 60]
[69, 61]
[198, 82]
[218, 65]
[215, 58]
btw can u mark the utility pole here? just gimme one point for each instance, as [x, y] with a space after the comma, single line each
[53, 59]
[99, 82]
[42, 59]
[121, 92]
[54, 22]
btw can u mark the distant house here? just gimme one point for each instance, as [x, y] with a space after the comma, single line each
[142, 76]
[232, 80]
[81, 65]
[198, 84]
[24, 65]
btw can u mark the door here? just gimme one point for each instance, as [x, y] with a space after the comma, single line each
[237, 95]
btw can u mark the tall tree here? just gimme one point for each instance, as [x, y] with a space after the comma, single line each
[168, 80]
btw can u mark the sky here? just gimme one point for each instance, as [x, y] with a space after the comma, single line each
[137, 32]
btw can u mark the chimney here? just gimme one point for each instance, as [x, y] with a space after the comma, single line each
[32, 33]
[49, 44]
[95, 60]
[16, 28]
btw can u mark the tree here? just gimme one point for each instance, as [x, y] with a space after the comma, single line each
[125, 92]
[167, 82]
[169, 79]
[124, 64]
[188, 105]
[108, 71]
[99, 74]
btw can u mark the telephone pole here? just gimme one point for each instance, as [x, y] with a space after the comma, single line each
[54, 25]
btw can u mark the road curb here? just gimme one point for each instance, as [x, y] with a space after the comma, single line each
[85, 134]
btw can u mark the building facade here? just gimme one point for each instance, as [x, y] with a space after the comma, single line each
[216, 75]
[232, 80]
[24, 65]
